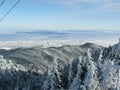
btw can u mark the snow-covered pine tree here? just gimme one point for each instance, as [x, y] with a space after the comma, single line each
[76, 84]
[73, 70]
[91, 81]
[46, 84]
[109, 79]
[50, 78]
[54, 80]
[54, 72]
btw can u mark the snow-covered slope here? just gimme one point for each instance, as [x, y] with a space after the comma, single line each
[116, 47]
[41, 58]
[10, 65]
[85, 67]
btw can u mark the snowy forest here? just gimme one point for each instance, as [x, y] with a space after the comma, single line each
[59, 45]
[85, 67]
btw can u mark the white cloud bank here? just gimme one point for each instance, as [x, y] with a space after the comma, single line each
[52, 43]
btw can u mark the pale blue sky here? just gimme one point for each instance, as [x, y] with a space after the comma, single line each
[61, 14]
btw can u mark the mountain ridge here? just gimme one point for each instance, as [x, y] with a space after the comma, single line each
[69, 67]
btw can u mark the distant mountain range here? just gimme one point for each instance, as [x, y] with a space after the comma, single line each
[49, 38]
[84, 67]
[61, 34]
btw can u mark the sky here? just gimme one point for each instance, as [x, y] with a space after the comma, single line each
[61, 15]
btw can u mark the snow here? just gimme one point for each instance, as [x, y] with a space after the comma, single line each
[51, 43]
[8, 64]
[119, 45]
[84, 71]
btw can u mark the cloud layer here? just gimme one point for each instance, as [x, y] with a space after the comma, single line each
[109, 4]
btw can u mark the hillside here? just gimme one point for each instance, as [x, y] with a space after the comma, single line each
[85, 67]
